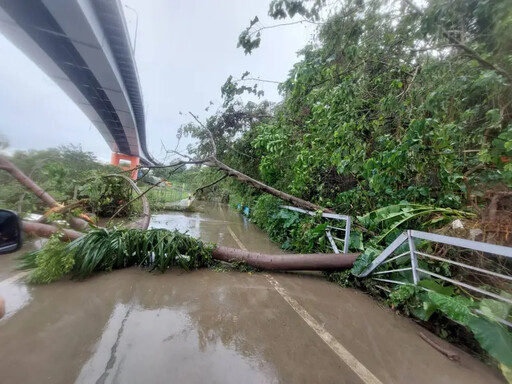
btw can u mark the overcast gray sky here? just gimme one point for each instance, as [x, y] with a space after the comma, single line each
[185, 50]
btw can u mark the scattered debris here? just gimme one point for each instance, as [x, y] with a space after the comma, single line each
[448, 353]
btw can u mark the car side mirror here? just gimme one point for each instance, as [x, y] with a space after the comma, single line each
[10, 231]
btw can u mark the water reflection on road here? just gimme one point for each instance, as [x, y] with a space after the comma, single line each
[212, 224]
[131, 326]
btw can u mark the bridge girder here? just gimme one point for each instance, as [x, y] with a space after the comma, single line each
[84, 47]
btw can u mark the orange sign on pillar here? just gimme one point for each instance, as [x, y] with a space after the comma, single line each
[121, 160]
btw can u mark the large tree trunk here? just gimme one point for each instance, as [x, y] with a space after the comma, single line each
[46, 230]
[24, 180]
[297, 262]
[301, 262]
[265, 188]
[27, 182]
[77, 223]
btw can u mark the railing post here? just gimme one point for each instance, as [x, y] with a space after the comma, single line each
[414, 259]
[347, 234]
[331, 240]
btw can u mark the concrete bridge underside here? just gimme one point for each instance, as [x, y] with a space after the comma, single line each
[84, 46]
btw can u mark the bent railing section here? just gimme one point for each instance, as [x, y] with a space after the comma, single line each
[388, 255]
[331, 231]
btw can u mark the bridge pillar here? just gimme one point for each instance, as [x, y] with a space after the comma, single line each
[117, 159]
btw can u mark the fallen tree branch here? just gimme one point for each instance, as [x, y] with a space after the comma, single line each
[132, 201]
[65, 208]
[47, 230]
[449, 354]
[27, 182]
[209, 133]
[298, 262]
[211, 184]
[214, 162]
[143, 222]
[298, 202]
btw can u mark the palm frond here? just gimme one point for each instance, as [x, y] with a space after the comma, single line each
[105, 250]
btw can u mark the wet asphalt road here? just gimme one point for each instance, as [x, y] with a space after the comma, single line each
[130, 326]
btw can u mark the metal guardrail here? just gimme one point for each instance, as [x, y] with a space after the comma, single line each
[417, 273]
[330, 229]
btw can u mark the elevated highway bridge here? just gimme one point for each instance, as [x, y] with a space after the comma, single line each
[84, 46]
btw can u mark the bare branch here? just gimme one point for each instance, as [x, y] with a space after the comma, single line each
[211, 184]
[143, 222]
[209, 133]
[284, 25]
[131, 201]
[260, 80]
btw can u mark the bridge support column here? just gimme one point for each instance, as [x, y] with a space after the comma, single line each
[122, 161]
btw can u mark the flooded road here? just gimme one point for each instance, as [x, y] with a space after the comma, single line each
[131, 326]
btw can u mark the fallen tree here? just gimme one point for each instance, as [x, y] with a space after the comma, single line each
[211, 160]
[27, 182]
[295, 262]
[82, 222]
[104, 250]
[46, 230]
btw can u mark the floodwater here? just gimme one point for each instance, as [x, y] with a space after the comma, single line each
[131, 326]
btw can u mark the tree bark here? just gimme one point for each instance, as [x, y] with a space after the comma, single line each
[298, 202]
[297, 262]
[27, 182]
[46, 230]
[24, 180]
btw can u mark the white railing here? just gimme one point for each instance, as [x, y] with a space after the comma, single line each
[417, 273]
[331, 231]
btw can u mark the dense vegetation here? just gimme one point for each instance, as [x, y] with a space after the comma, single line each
[383, 108]
[57, 170]
[396, 114]
[70, 174]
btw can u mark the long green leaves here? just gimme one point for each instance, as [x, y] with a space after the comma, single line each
[388, 219]
[105, 250]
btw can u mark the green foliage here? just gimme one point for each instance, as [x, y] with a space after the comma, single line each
[495, 310]
[457, 308]
[105, 250]
[364, 260]
[343, 278]
[50, 263]
[388, 220]
[381, 110]
[295, 231]
[493, 337]
[57, 170]
[106, 194]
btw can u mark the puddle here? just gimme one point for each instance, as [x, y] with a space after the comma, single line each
[16, 296]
